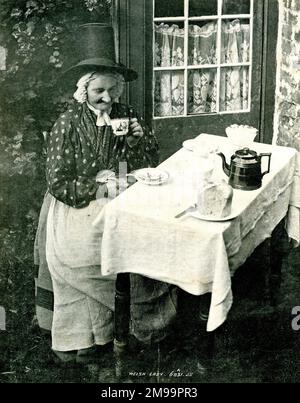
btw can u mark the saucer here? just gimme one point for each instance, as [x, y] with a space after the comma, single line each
[151, 176]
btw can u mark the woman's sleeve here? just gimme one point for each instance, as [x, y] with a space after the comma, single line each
[142, 152]
[61, 173]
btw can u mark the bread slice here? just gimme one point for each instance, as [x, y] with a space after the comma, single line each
[215, 200]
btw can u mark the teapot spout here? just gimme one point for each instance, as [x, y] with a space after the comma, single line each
[226, 167]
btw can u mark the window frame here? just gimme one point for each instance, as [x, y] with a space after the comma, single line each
[186, 68]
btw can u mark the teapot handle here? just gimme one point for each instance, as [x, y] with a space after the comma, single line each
[269, 164]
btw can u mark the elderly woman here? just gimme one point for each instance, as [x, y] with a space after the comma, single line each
[84, 148]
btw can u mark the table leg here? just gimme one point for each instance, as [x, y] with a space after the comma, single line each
[122, 320]
[192, 319]
[279, 249]
[187, 313]
[269, 255]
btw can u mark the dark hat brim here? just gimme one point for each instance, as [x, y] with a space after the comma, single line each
[98, 64]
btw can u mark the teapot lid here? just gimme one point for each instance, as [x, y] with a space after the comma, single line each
[246, 154]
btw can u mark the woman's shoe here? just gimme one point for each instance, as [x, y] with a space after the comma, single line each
[87, 355]
[66, 356]
[92, 355]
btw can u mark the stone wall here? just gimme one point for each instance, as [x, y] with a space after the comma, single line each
[287, 108]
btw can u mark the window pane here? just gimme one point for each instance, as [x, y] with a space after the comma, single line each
[236, 7]
[202, 91]
[235, 41]
[169, 93]
[169, 8]
[169, 45]
[204, 7]
[202, 43]
[234, 89]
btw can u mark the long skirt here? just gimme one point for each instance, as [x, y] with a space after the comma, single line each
[73, 299]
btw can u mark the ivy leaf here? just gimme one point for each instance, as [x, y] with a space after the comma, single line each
[29, 119]
[16, 13]
[18, 137]
[30, 27]
[30, 94]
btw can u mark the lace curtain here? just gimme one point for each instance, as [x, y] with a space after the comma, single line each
[235, 80]
[169, 85]
[202, 83]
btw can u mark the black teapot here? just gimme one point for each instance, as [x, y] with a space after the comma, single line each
[244, 171]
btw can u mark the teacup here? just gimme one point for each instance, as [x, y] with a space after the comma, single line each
[120, 126]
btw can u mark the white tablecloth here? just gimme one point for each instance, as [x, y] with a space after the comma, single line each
[141, 235]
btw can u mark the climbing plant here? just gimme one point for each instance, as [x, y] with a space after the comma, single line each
[36, 35]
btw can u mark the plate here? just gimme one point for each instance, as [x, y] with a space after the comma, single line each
[195, 214]
[151, 176]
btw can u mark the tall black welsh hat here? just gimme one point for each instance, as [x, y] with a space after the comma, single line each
[95, 50]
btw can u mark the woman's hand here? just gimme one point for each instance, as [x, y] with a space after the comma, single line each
[111, 185]
[112, 188]
[104, 175]
[116, 186]
[136, 128]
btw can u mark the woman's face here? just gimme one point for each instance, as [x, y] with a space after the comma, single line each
[102, 92]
